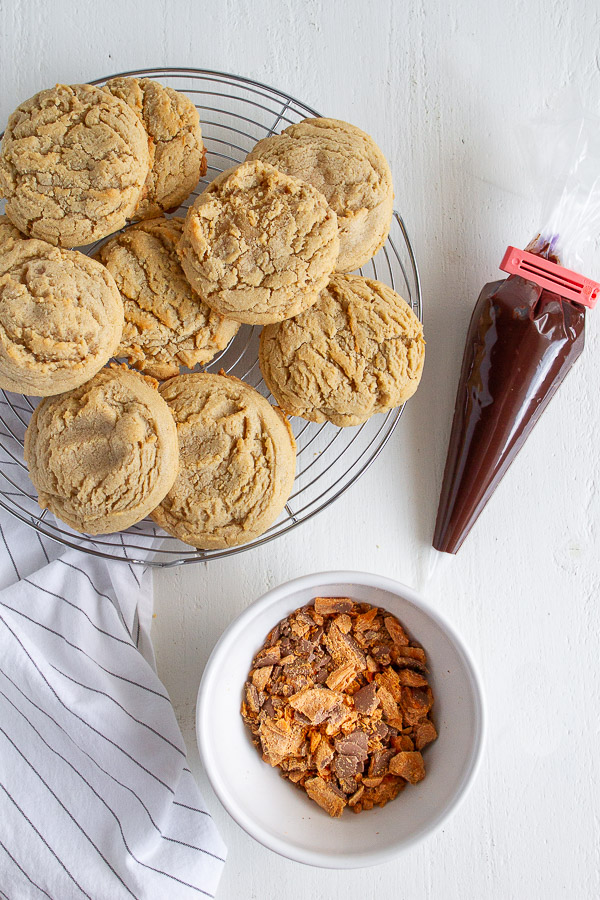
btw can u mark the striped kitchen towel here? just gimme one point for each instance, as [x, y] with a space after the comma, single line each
[96, 798]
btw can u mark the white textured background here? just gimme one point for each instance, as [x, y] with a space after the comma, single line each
[438, 85]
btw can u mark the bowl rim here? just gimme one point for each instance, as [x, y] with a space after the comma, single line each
[238, 625]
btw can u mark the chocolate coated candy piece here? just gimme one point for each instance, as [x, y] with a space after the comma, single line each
[344, 648]
[261, 676]
[408, 765]
[354, 744]
[384, 792]
[364, 621]
[323, 755]
[325, 795]
[390, 680]
[268, 707]
[390, 709]
[342, 677]
[395, 631]
[327, 605]
[356, 796]
[346, 766]
[415, 703]
[381, 730]
[380, 761]
[365, 700]
[424, 734]
[279, 740]
[408, 662]
[252, 699]
[267, 657]
[411, 679]
[316, 703]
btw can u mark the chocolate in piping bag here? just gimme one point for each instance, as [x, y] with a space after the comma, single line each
[522, 341]
[526, 330]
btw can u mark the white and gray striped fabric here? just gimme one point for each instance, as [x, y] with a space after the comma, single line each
[96, 798]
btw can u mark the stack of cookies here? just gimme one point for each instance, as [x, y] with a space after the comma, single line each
[268, 242]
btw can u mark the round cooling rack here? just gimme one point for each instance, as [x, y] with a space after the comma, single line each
[235, 113]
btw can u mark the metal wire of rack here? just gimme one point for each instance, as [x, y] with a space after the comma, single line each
[235, 113]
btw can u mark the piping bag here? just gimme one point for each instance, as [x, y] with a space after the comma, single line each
[525, 333]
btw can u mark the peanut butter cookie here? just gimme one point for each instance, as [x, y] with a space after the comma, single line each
[73, 162]
[102, 456]
[61, 316]
[237, 461]
[358, 351]
[349, 169]
[8, 234]
[258, 245]
[166, 322]
[173, 125]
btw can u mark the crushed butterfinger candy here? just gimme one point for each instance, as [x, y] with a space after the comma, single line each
[338, 699]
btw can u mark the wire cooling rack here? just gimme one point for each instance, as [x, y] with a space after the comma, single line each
[235, 113]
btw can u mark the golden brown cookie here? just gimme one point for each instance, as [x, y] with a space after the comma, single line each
[167, 325]
[358, 351]
[349, 169]
[173, 125]
[102, 456]
[257, 245]
[61, 316]
[73, 162]
[237, 462]
[8, 233]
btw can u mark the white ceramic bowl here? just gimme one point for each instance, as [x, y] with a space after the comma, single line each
[282, 817]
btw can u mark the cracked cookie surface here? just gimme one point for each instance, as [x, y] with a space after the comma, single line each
[237, 462]
[73, 163]
[358, 351]
[103, 456]
[173, 125]
[61, 316]
[8, 233]
[348, 168]
[166, 322]
[258, 245]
